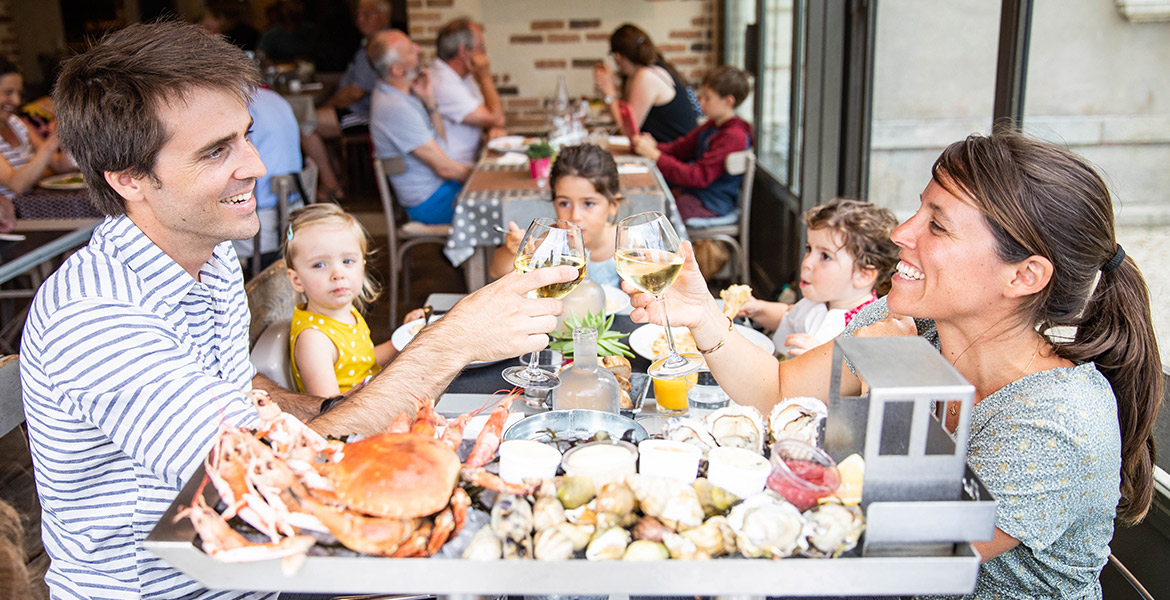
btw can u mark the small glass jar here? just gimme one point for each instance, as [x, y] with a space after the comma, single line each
[802, 473]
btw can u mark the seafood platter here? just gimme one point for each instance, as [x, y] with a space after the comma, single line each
[419, 510]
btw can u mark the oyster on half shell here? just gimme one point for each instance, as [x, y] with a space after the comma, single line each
[832, 529]
[767, 526]
[797, 418]
[689, 431]
[737, 426]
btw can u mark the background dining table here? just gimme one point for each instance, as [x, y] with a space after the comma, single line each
[500, 191]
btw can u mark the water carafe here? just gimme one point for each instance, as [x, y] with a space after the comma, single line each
[586, 384]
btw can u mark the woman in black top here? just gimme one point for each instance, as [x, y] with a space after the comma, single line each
[656, 94]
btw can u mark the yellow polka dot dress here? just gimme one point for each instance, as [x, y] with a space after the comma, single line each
[355, 349]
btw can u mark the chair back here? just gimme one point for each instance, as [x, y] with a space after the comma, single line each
[743, 163]
[11, 401]
[383, 169]
[303, 183]
[271, 354]
[271, 298]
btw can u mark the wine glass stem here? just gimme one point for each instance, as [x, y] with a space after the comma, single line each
[532, 362]
[674, 355]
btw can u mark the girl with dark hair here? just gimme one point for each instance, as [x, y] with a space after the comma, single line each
[1014, 238]
[656, 94]
[24, 156]
[585, 190]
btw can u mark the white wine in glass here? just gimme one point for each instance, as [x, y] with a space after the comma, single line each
[547, 243]
[647, 257]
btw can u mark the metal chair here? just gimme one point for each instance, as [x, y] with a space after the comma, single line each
[734, 234]
[303, 183]
[401, 238]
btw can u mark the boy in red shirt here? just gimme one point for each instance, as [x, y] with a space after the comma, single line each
[694, 164]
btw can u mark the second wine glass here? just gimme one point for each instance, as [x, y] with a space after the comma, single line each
[547, 243]
[647, 257]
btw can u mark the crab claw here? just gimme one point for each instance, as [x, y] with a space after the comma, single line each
[491, 481]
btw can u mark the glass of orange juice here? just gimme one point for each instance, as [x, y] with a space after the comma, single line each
[671, 394]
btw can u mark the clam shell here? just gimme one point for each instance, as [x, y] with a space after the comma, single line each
[713, 537]
[682, 548]
[645, 550]
[553, 544]
[690, 431]
[547, 513]
[608, 545]
[832, 529]
[669, 500]
[484, 545]
[767, 526]
[580, 535]
[737, 426]
[797, 418]
[512, 518]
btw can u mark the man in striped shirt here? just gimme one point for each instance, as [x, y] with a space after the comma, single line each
[136, 349]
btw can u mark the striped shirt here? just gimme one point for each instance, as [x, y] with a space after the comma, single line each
[128, 365]
[19, 155]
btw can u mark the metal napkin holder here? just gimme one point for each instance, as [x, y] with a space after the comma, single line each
[919, 495]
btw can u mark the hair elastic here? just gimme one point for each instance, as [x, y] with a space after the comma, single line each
[1114, 262]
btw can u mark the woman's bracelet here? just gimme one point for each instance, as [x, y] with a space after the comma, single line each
[730, 325]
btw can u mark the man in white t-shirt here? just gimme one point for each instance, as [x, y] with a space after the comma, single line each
[464, 89]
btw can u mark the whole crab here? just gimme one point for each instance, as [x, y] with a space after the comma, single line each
[392, 494]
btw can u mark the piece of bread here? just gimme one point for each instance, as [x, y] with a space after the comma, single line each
[734, 298]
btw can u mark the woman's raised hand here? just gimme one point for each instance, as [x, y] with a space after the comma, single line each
[688, 296]
[891, 326]
[603, 79]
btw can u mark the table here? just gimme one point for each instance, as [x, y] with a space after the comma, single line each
[54, 222]
[497, 193]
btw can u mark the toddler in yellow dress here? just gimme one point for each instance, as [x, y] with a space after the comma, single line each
[325, 251]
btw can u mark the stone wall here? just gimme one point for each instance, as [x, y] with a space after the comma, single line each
[530, 42]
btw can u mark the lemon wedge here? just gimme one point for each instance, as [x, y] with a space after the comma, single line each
[852, 471]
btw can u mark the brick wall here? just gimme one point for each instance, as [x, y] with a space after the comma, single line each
[530, 42]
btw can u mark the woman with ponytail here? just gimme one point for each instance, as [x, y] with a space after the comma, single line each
[1011, 268]
[654, 90]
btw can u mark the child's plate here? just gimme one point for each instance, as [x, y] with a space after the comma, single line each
[405, 334]
[616, 301]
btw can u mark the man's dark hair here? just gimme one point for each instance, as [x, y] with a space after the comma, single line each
[728, 81]
[108, 99]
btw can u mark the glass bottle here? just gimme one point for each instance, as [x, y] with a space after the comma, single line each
[587, 298]
[587, 384]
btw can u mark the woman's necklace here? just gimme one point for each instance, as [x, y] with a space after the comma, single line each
[953, 406]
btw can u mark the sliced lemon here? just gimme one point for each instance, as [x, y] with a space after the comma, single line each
[852, 471]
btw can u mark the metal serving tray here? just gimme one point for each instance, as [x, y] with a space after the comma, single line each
[954, 573]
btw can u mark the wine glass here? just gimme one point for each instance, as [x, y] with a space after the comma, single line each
[647, 257]
[547, 243]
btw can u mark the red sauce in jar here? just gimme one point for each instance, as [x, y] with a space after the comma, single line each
[805, 483]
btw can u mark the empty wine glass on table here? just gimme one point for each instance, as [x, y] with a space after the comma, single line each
[547, 243]
[647, 257]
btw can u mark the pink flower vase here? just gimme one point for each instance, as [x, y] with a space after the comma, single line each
[540, 167]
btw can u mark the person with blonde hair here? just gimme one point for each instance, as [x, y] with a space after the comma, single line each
[325, 250]
[1014, 237]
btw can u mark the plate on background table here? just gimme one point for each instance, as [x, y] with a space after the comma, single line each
[405, 334]
[649, 340]
[509, 143]
[616, 301]
[65, 181]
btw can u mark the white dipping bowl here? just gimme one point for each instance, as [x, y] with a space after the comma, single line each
[668, 458]
[602, 462]
[527, 459]
[741, 472]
